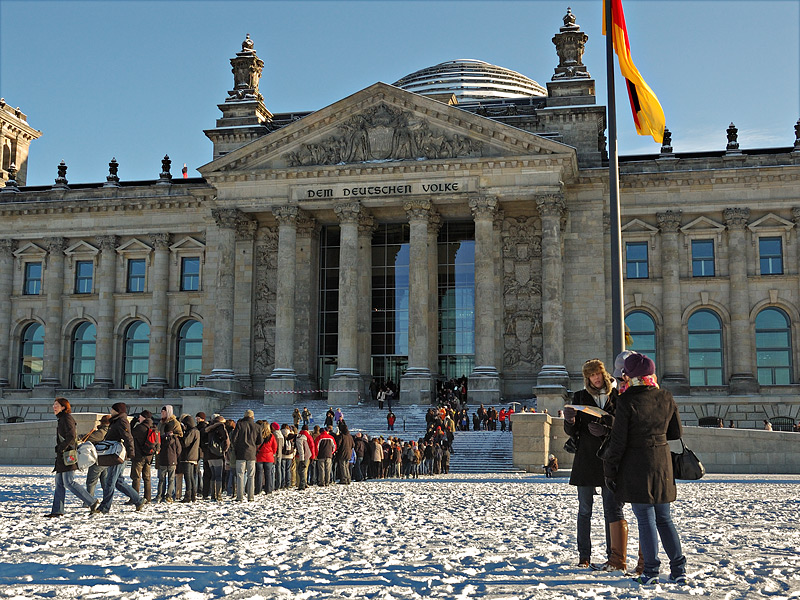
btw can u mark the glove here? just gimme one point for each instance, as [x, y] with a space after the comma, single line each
[597, 429]
[611, 484]
[570, 414]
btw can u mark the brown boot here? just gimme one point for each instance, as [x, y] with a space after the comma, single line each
[640, 563]
[619, 548]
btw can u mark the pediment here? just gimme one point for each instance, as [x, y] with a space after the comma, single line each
[770, 221]
[383, 124]
[703, 225]
[81, 248]
[639, 226]
[187, 243]
[134, 246]
[30, 250]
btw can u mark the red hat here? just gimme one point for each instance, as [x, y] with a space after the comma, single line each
[275, 425]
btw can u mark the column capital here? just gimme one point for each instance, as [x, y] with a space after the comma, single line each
[107, 242]
[551, 205]
[55, 245]
[434, 224]
[226, 218]
[6, 247]
[418, 210]
[366, 225]
[348, 212]
[307, 225]
[796, 211]
[286, 215]
[736, 218]
[160, 241]
[669, 221]
[246, 229]
[483, 207]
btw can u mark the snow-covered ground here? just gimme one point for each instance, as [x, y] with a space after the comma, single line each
[460, 536]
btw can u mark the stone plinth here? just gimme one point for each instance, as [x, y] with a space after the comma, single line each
[279, 390]
[484, 386]
[344, 388]
[550, 398]
[416, 387]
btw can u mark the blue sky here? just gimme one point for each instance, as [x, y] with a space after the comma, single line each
[139, 79]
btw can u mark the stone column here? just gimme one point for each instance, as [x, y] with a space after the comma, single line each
[416, 383]
[106, 285]
[51, 369]
[345, 384]
[434, 225]
[366, 227]
[6, 283]
[222, 374]
[742, 380]
[306, 301]
[672, 374]
[552, 209]
[159, 315]
[484, 381]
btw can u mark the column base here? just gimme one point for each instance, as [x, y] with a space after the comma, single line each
[416, 387]
[344, 387]
[153, 388]
[223, 380]
[550, 398]
[280, 388]
[743, 383]
[676, 383]
[4, 383]
[483, 386]
[553, 375]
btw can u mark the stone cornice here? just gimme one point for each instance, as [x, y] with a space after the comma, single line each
[665, 179]
[97, 206]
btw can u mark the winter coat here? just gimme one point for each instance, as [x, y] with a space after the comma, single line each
[377, 452]
[326, 446]
[170, 450]
[288, 444]
[191, 442]
[246, 439]
[276, 433]
[119, 430]
[66, 432]
[177, 432]
[360, 446]
[587, 468]
[346, 446]
[638, 458]
[98, 435]
[302, 446]
[139, 434]
[220, 432]
[312, 445]
[266, 451]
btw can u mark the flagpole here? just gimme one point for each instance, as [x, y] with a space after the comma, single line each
[617, 308]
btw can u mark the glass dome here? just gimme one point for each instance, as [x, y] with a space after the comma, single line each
[470, 81]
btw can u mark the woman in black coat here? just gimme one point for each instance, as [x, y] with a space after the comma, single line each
[638, 464]
[66, 439]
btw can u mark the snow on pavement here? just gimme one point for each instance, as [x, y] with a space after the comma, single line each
[509, 536]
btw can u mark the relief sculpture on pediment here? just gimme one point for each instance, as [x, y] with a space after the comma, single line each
[384, 133]
[522, 295]
[265, 299]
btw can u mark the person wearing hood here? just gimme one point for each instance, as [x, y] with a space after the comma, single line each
[288, 454]
[66, 440]
[218, 444]
[190, 456]
[119, 431]
[142, 455]
[599, 391]
[344, 452]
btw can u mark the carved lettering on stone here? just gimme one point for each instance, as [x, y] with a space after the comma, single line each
[383, 133]
[266, 251]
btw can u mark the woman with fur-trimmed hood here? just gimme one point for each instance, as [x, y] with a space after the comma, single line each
[600, 390]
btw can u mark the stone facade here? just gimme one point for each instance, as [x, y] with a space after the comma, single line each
[526, 178]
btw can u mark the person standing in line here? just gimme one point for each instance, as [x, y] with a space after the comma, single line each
[204, 477]
[344, 452]
[306, 414]
[217, 446]
[66, 440]
[142, 454]
[303, 447]
[245, 441]
[587, 468]
[638, 465]
[277, 477]
[190, 457]
[168, 457]
[95, 472]
[296, 417]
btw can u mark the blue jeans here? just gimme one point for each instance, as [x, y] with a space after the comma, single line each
[278, 476]
[325, 471]
[357, 474]
[115, 480]
[265, 477]
[66, 481]
[286, 480]
[190, 477]
[93, 475]
[166, 482]
[245, 468]
[612, 512]
[655, 521]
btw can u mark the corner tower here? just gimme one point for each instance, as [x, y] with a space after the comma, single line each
[15, 140]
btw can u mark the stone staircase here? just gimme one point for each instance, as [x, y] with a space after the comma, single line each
[475, 451]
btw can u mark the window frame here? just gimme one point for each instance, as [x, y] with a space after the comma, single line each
[128, 278]
[703, 260]
[27, 280]
[629, 262]
[127, 343]
[75, 342]
[788, 350]
[182, 287]
[781, 257]
[79, 279]
[706, 350]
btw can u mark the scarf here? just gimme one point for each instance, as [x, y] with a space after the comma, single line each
[648, 380]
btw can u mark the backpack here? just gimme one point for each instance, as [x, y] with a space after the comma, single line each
[215, 445]
[151, 441]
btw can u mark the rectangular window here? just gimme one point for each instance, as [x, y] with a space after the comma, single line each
[190, 274]
[636, 260]
[702, 258]
[84, 270]
[136, 275]
[33, 279]
[770, 252]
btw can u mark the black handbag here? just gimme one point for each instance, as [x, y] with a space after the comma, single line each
[571, 445]
[686, 465]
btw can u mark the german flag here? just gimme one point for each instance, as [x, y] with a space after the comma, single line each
[647, 112]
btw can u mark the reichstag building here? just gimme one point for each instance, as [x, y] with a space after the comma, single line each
[454, 223]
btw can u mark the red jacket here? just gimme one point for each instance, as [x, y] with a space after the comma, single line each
[326, 445]
[266, 451]
[311, 444]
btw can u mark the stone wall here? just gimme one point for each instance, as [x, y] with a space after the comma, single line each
[34, 443]
[750, 451]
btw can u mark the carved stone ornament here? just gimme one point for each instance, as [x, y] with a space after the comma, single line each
[570, 44]
[796, 214]
[160, 241]
[669, 221]
[307, 226]
[797, 135]
[551, 205]
[285, 215]
[418, 210]
[434, 224]
[6, 247]
[61, 180]
[366, 225]
[348, 212]
[383, 133]
[736, 218]
[55, 245]
[666, 143]
[266, 258]
[226, 218]
[246, 229]
[733, 138]
[246, 68]
[107, 243]
[483, 207]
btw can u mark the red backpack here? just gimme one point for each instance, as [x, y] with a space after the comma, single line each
[152, 441]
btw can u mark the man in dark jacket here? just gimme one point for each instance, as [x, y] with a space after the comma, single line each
[587, 469]
[119, 431]
[204, 479]
[360, 446]
[142, 454]
[190, 456]
[344, 451]
[246, 439]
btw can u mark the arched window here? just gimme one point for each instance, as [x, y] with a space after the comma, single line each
[642, 329]
[137, 353]
[189, 362]
[773, 347]
[31, 355]
[705, 348]
[83, 355]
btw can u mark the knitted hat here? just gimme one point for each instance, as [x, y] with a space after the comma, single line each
[120, 407]
[249, 413]
[619, 362]
[146, 414]
[639, 365]
[275, 425]
[201, 415]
